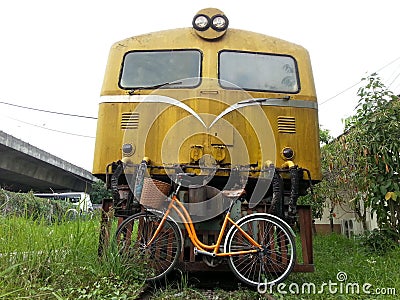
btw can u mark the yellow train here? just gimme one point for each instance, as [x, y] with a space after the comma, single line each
[233, 106]
[208, 96]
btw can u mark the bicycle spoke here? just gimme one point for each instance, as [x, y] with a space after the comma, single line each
[270, 265]
[161, 255]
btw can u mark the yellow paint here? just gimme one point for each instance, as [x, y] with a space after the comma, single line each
[169, 137]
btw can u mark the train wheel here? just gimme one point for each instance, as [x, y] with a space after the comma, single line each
[269, 266]
[153, 261]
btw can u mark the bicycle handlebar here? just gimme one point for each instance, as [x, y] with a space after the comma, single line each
[186, 174]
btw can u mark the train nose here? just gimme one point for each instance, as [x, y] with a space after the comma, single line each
[200, 146]
[219, 152]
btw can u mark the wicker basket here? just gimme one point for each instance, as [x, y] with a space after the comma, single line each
[154, 193]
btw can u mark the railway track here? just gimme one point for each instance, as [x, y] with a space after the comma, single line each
[204, 284]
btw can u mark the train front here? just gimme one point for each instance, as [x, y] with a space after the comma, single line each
[236, 108]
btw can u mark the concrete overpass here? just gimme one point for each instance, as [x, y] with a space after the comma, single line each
[24, 167]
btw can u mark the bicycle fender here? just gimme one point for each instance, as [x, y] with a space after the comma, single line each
[245, 218]
[273, 217]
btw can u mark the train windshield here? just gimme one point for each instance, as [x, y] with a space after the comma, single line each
[258, 71]
[149, 69]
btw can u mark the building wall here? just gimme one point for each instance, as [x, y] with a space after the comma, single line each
[344, 221]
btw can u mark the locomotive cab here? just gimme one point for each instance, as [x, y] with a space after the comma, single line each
[237, 108]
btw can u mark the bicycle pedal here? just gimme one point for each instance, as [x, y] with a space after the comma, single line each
[197, 251]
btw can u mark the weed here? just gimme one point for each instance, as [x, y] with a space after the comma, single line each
[28, 206]
[59, 261]
[380, 241]
[42, 260]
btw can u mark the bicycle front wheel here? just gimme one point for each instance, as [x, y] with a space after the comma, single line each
[153, 261]
[270, 265]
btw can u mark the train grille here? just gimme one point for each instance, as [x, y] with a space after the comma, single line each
[130, 120]
[286, 124]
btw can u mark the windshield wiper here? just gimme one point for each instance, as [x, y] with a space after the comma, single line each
[260, 100]
[156, 86]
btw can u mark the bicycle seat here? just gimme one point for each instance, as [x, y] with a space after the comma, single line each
[234, 193]
[187, 179]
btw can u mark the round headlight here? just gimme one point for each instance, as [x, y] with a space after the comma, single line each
[219, 22]
[128, 149]
[201, 22]
[288, 153]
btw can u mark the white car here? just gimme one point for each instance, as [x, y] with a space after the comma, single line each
[79, 199]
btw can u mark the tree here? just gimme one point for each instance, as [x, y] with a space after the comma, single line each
[362, 165]
[99, 192]
[325, 136]
[318, 199]
[377, 125]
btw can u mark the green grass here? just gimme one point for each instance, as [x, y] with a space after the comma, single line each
[337, 256]
[59, 261]
[333, 255]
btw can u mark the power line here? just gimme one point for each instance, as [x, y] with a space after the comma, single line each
[54, 130]
[345, 90]
[48, 111]
[396, 87]
[397, 76]
[338, 94]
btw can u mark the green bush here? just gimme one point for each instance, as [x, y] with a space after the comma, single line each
[29, 206]
[99, 192]
[380, 241]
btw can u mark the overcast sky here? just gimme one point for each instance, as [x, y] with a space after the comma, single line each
[53, 55]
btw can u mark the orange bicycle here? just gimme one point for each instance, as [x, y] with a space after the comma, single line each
[260, 248]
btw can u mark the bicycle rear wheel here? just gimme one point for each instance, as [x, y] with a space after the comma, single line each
[277, 258]
[153, 261]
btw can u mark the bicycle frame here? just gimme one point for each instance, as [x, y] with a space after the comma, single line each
[211, 250]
